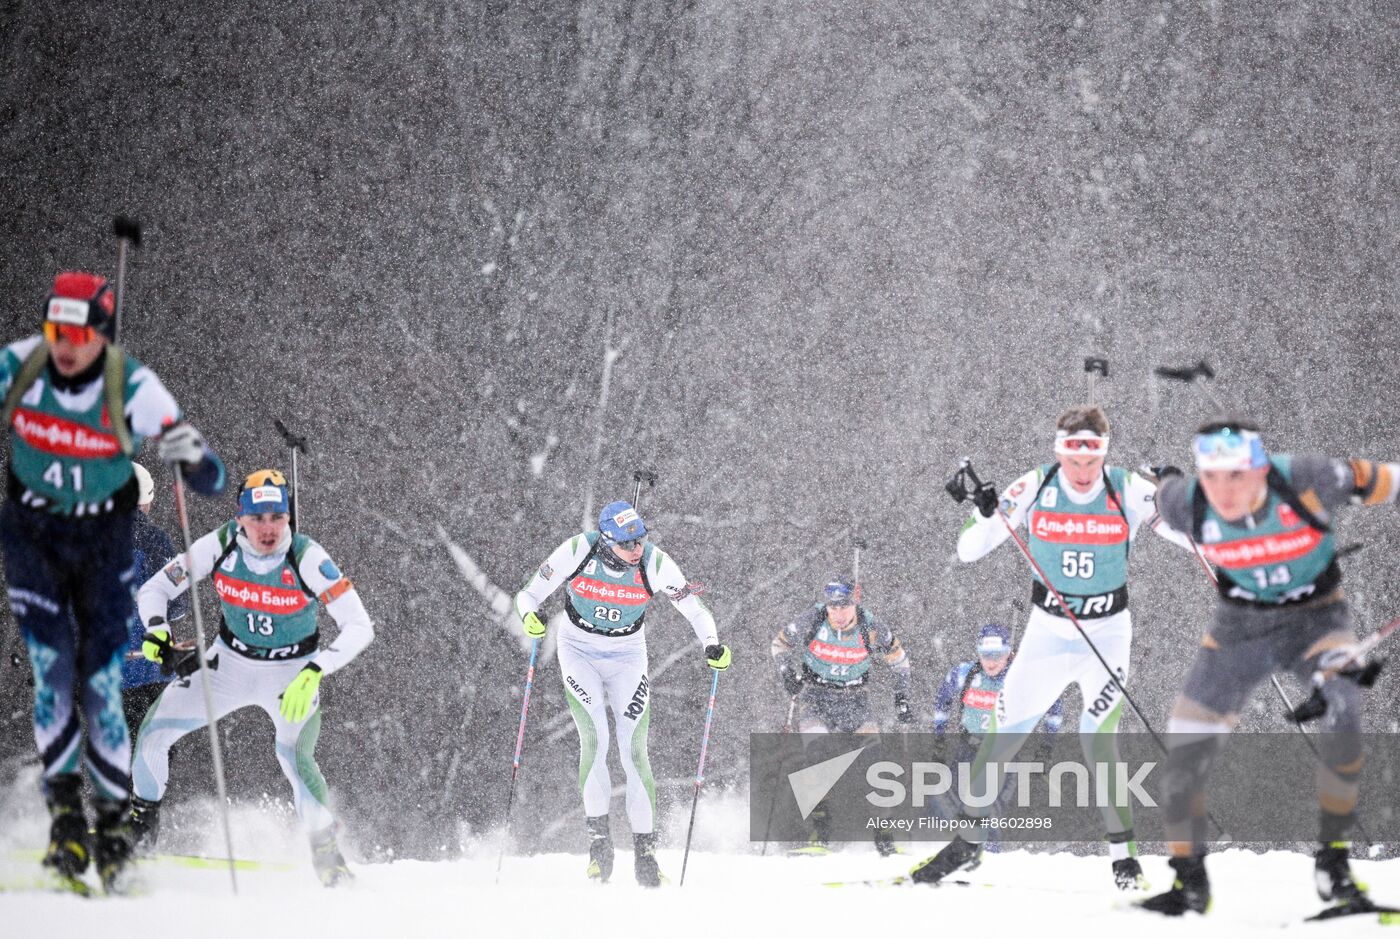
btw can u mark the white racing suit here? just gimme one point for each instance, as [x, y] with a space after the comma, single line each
[1052, 654]
[603, 659]
[243, 674]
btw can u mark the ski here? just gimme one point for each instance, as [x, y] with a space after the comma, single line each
[904, 880]
[41, 882]
[191, 861]
[1388, 915]
[901, 880]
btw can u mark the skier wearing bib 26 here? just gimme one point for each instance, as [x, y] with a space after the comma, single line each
[1080, 517]
[1265, 523]
[824, 659]
[77, 408]
[269, 580]
[609, 575]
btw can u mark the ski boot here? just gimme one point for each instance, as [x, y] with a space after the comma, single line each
[884, 843]
[600, 849]
[1190, 890]
[1127, 874]
[816, 845]
[1333, 873]
[644, 851]
[145, 826]
[68, 851]
[112, 846]
[327, 859]
[956, 855]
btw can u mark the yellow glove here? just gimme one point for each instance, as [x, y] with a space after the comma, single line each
[534, 626]
[717, 657]
[155, 644]
[296, 700]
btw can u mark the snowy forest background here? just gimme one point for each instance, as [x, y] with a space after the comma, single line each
[827, 248]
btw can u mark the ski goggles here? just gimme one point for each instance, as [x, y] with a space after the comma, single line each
[992, 647]
[1229, 448]
[77, 335]
[839, 593]
[1080, 443]
[631, 544]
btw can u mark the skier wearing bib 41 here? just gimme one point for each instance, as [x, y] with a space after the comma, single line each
[608, 576]
[824, 659]
[1265, 523]
[268, 579]
[1080, 517]
[77, 409]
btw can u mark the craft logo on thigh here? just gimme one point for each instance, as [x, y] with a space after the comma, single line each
[578, 690]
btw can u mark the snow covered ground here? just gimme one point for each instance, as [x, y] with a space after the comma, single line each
[724, 895]
[730, 891]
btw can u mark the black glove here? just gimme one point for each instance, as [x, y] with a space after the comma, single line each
[985, 498]
[1163, 472]
[792, 681]
[902, 714]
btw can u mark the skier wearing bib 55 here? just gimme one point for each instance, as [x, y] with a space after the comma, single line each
[1265, 523]
[608, 576]
[77, 408]
[269, 580]
[1080, 516]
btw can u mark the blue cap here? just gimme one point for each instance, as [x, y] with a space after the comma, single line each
[839, 592]
[994, 639]
[620, 522]
[269, 497]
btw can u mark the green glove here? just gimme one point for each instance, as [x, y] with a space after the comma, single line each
[155, 644]
[717, 657]
[534, 626]
[296, 700]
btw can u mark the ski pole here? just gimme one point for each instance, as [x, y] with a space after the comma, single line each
[777, 783]
[700, 772]
[294, 443]
[1094, 365]
[1283, 696]
[128, 232]
[519, 748]
[638, 477]
[205, 676]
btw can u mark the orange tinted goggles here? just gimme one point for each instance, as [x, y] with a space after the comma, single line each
[77, 335]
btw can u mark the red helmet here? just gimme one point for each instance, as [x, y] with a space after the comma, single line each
[80, 299]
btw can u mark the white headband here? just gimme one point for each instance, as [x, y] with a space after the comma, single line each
[1084, 442]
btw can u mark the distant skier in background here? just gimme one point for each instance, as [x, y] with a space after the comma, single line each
[971, 688]
[609, 575]
[967, 699]
[1265, 522]
[143, 681]
[1080, 516]
[269, 580]
[823, 659]
[77, 408]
